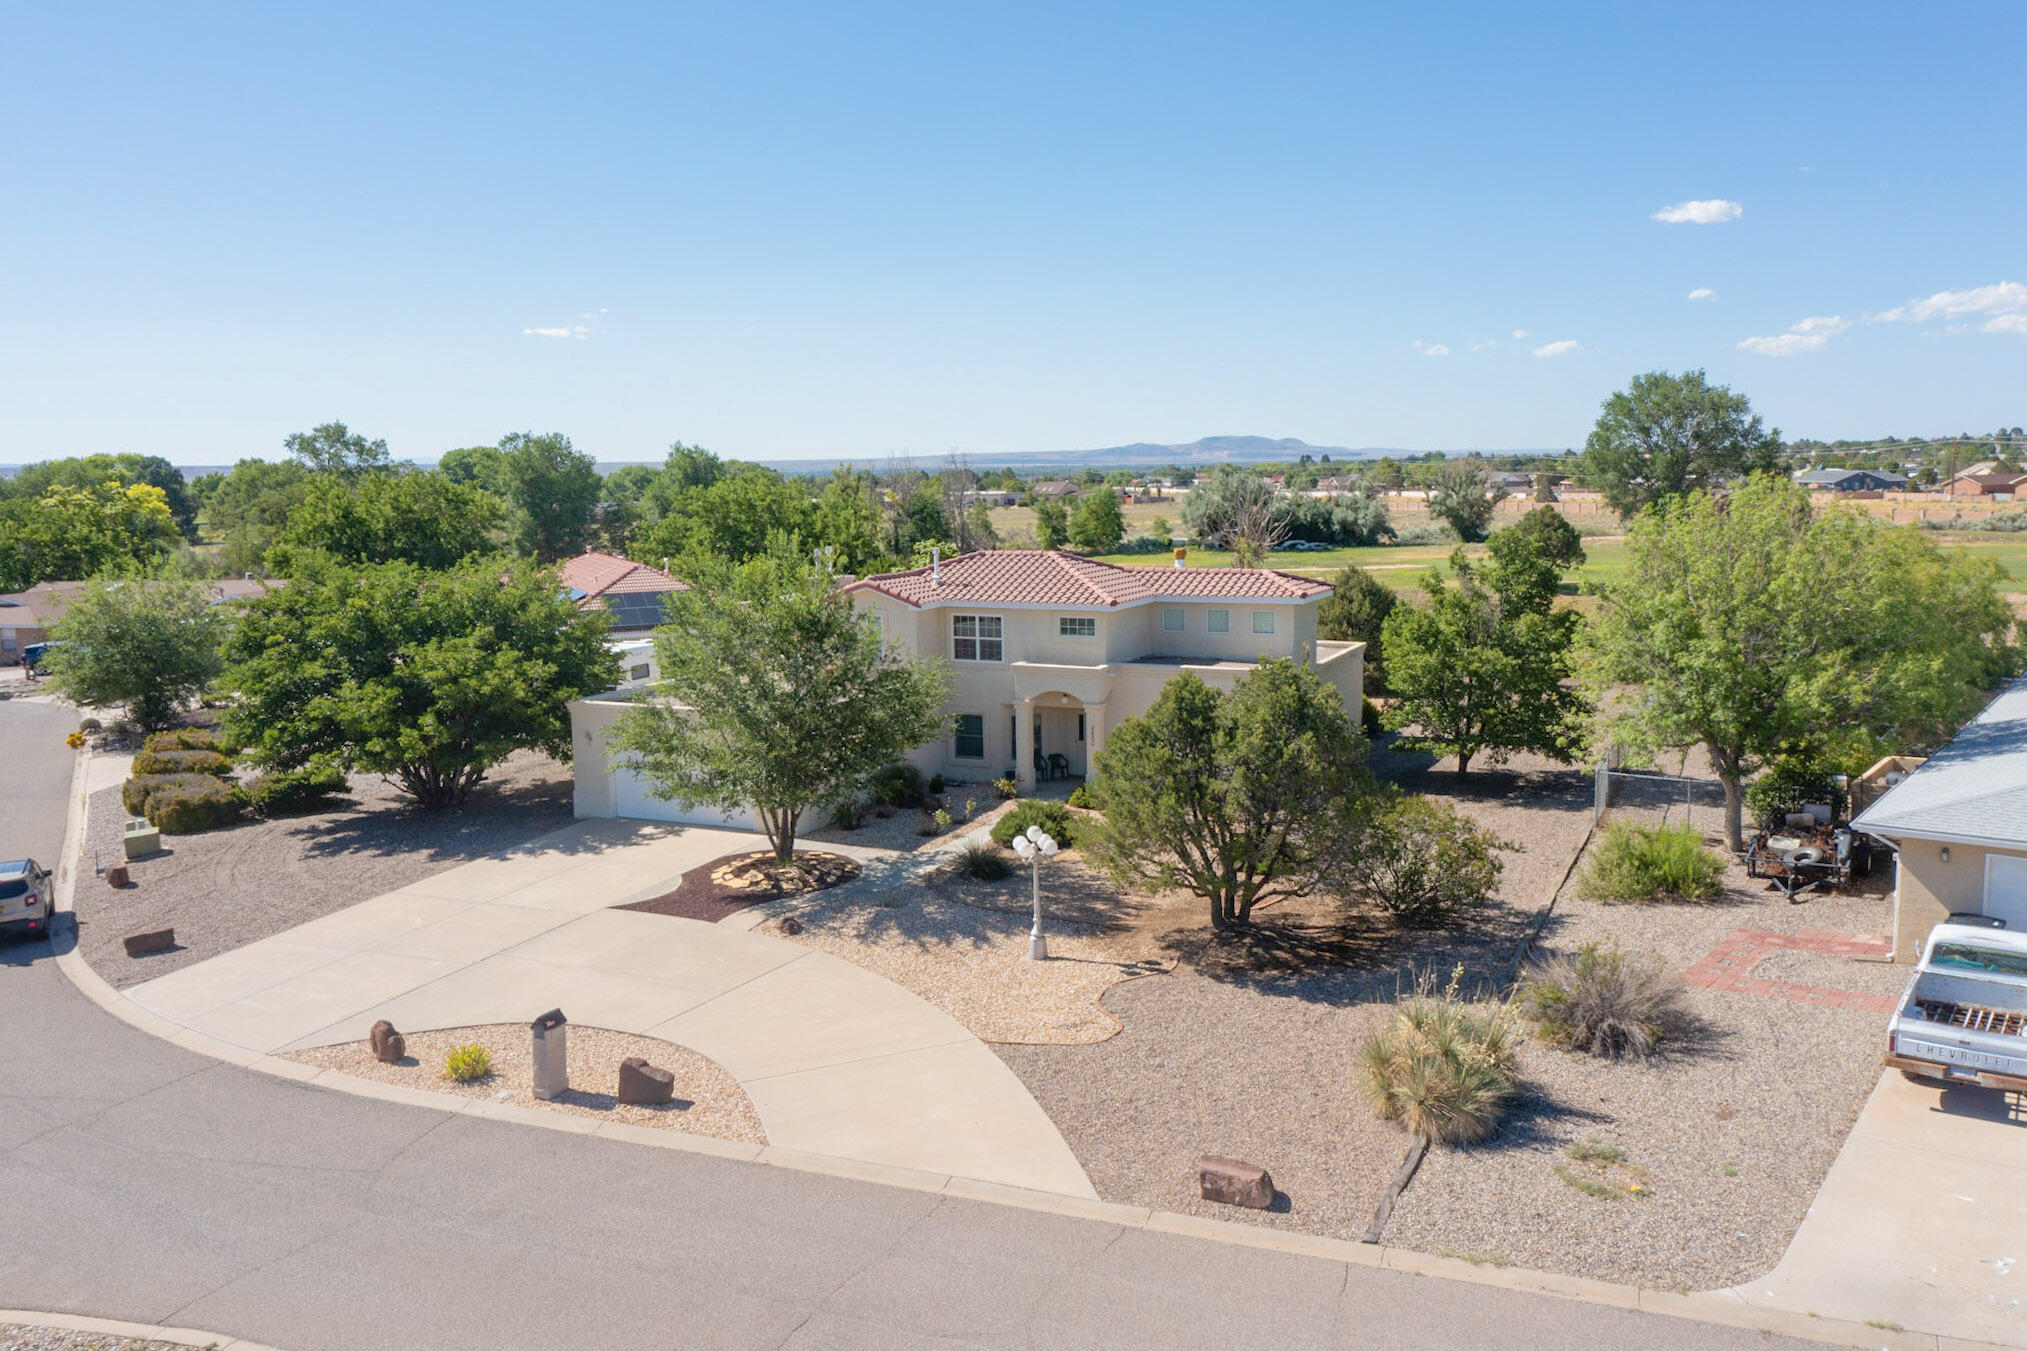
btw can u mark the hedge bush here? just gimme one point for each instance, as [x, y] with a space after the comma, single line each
[279, 792]
[1423, 861]
[185, 809]
[1652, 863]
[182, 739]
[170, 761]
[1052, 817]
[136, 792]
[898, 785]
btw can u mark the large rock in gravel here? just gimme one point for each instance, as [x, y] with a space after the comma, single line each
[155, 940]
[389, 1046]
[1233, 1183]
[645, 1085]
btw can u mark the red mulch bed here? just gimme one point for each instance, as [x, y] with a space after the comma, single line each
[731, 883]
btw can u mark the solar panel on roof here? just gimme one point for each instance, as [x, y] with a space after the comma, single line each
[635, 609]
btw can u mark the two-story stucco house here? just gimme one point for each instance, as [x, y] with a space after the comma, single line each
[1049, 649]
[1958, 827]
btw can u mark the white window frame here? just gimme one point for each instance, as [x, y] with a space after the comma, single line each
[1176, 613]
[1086, 626]
[1219, 621]
[982, 645]
[957, 737]
[1263, 617]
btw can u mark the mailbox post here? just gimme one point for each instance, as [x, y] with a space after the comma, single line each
[551, 1060]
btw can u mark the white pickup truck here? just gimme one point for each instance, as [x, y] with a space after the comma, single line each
[1963, 1019]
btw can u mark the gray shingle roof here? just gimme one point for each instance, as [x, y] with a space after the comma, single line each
[1973, 790]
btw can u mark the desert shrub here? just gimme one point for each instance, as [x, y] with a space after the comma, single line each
[468, 1064]
[1603, 1002]
[1369, 720]
[181, 762]
[1785, 787]
[281, 791]
[206, 803]
[935, 785]
[898, 785]
[90, 725]
[847, 815]
[1052, 817]
[182, 739]
[1443, 1069]
[1008, 788]
[1651, 863]
[1080, 796]
[984, 862]
[1422, 861]
[136, 792]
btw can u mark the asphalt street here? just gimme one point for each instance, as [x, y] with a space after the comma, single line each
[140, 1181]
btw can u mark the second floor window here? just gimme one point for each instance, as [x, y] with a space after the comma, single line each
[976, 638]
[1076, 628]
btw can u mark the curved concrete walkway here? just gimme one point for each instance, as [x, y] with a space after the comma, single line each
[837, 1060]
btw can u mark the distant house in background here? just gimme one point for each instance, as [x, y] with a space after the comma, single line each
[26, 617]
[1056, 488]
[630, 593]
[1513, 480]
[991, 497]
[1958, 827]
[1850, 480]
[2000, 487]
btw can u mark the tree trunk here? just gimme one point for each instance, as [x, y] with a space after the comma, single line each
[1734, 810]
[1463, 764]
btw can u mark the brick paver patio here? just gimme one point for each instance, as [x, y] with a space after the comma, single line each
[1729, 967]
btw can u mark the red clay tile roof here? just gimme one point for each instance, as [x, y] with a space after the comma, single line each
[598, 575]
[1051, 577]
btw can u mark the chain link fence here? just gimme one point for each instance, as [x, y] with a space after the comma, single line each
[1667, 799]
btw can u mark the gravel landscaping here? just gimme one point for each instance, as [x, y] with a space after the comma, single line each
[708, 1101]
[20, 1337]
[223, 889]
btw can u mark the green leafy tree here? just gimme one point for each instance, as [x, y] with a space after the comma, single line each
[1483, 671]
[429, 677]
[1052, 523]
[1664, 435]
[1356, 612]
[70, 533]
[1239, 797]
[478, 466]
[775, 694]
[1230, 507]
[919, 515]
[733, 518]
[1098, 525]
[423, 518]
[150, 644]
[978, 525]
[1752, 625]
[334, 448]
[552, 487]
[92, 471]
[1531, 555]
[1463, 497]
[846, 521]
[248, 508]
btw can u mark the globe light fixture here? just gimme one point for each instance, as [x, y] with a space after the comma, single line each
[1033, 846]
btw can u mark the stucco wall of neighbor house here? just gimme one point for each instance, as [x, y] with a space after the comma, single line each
[1928, 890]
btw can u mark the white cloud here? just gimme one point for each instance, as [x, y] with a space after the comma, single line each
[1808, 336]
[1556, 349]
[2004, 304]
[1713, 212]
[1519, 333]
[1703, 293]
[1435, 349]
[578, 331]
[1481, 346]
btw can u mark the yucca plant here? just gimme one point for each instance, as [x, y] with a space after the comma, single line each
[1444, 1068]
[984, 862]
[468, 1064]
[1603, 1002]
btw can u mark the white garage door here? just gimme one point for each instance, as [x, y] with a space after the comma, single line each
[634, 802]
[2006, 889]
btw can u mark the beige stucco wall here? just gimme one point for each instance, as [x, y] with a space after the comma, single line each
[1929, 890]
[598, 790]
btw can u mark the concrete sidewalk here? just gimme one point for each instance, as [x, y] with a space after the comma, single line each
[1922, 1221]
[837, 1060]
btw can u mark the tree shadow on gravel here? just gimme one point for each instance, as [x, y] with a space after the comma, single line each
[1530, 780]
[494, 817]
[1532, 1119]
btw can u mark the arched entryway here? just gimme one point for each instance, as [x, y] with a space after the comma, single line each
[1057, 732]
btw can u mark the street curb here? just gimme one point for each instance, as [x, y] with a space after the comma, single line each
[1723, 1307]
[113, 1327]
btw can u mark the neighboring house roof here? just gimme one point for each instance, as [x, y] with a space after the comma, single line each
[1973, 790]
[43, 604]
[1055, 487]
[1992, 482]
[1057, 580]
[630, 592]
[1831, 478]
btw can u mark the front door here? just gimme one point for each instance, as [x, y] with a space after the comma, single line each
[2006, 889]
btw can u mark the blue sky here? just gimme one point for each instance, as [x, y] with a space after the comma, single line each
[788, 231]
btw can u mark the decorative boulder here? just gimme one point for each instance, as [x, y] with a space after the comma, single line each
[1233, 1183]
[389, 1046]
[116, 875]
[155, 940]
[791, 925]
[645, 1085]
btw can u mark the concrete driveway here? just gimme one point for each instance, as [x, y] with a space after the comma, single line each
[838, 1061]
[1922, 1221]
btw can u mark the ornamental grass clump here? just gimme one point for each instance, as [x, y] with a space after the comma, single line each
[1603, 1002]
[468, 1064]
[1444, 1069]
[1652, 863]
[984, 862]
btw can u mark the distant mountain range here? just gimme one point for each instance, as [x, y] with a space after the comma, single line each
[1139, 455]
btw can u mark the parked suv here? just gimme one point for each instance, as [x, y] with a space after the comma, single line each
[26, 898]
